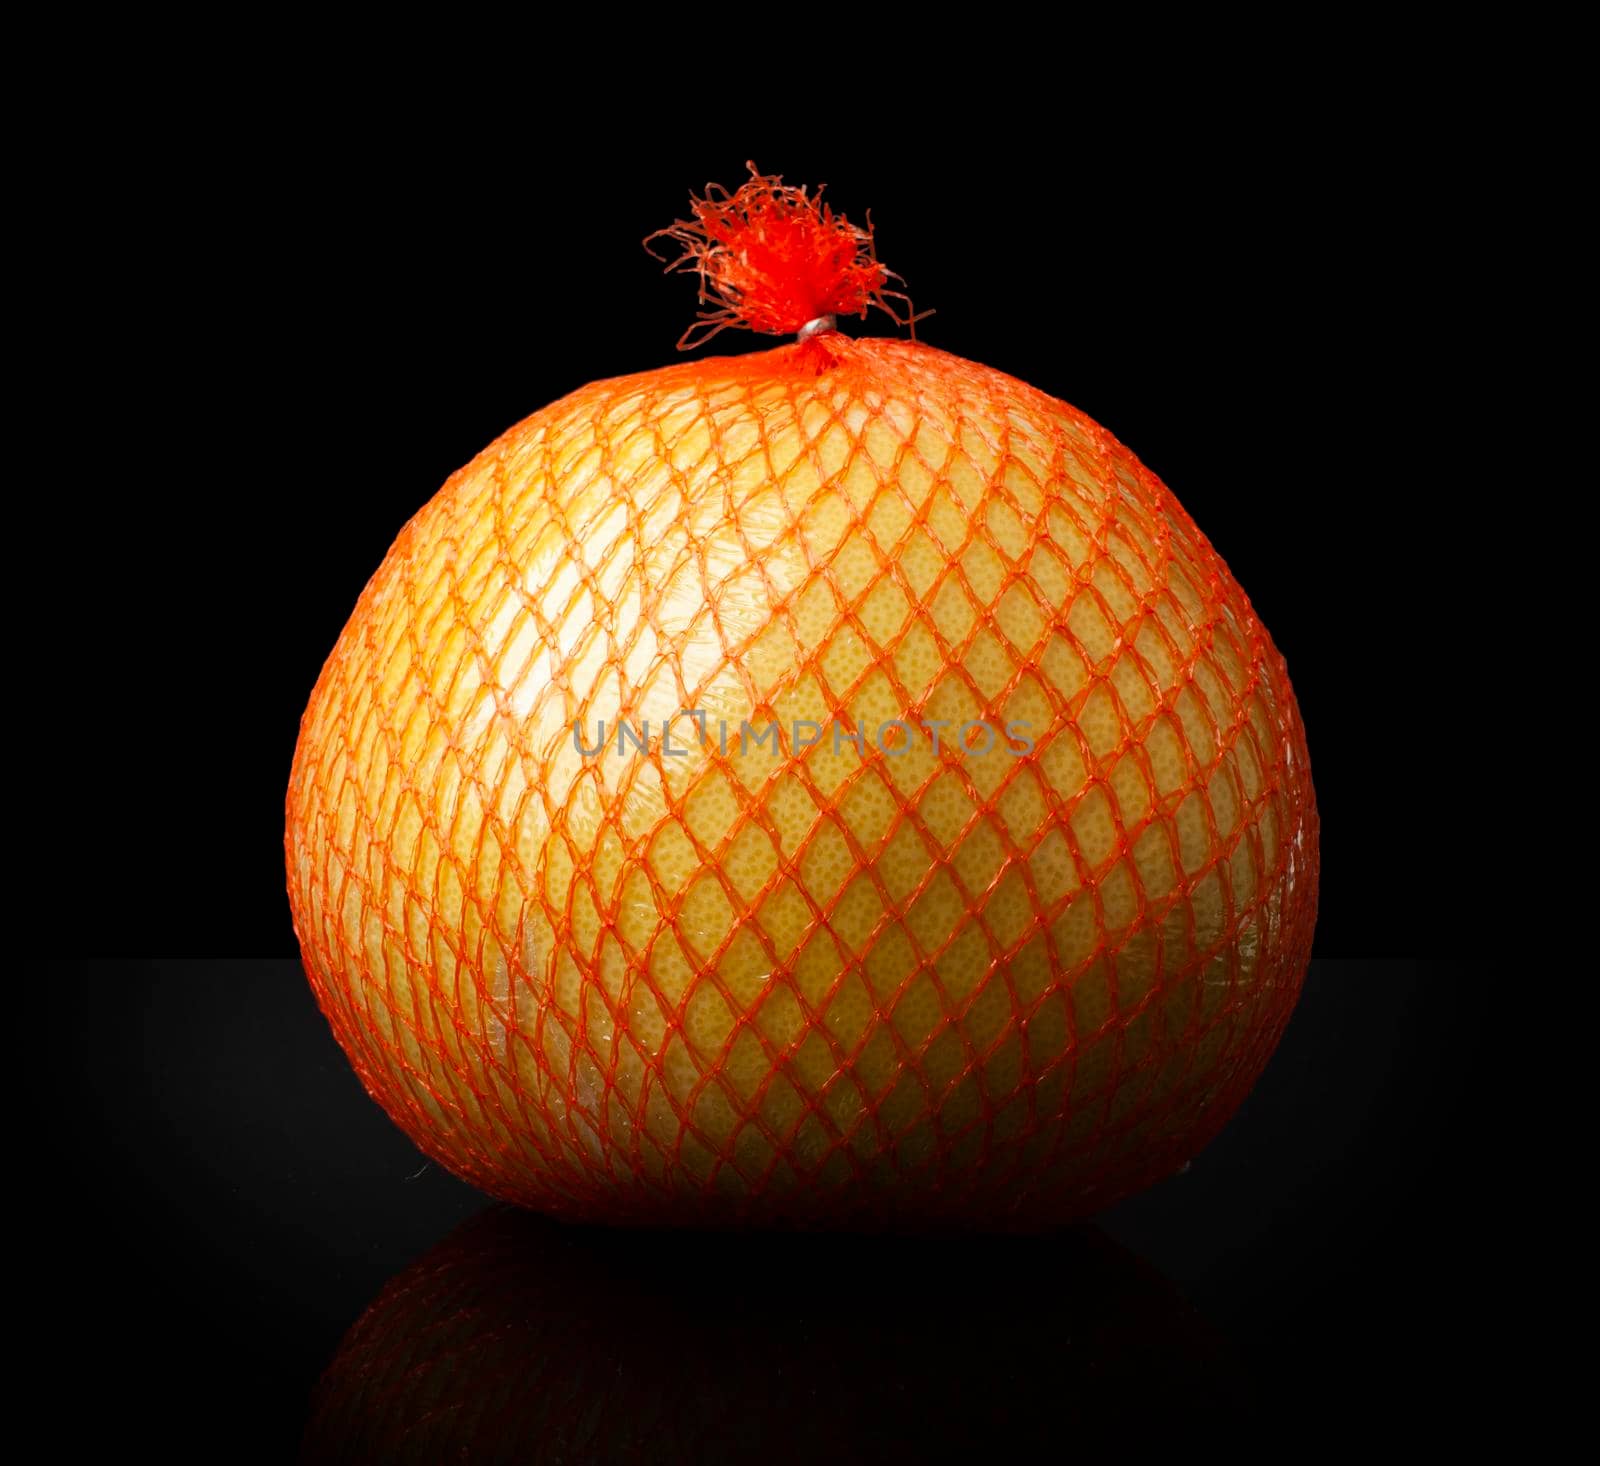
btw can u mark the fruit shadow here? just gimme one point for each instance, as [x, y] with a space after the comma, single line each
[519, 1338]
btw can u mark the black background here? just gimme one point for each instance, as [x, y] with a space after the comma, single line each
[295, 309]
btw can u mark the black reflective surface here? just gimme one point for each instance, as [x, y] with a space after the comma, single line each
[1332, 1269]
[522, 1339]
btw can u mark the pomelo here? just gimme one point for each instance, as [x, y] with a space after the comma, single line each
[974, 877]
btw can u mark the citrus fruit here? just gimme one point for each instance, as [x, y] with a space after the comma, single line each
[836, 785]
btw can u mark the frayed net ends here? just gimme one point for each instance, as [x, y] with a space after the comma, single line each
[776, 259]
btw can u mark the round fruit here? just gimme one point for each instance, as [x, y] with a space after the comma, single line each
[830, 786]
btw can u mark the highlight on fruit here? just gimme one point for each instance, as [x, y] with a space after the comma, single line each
[785, 981]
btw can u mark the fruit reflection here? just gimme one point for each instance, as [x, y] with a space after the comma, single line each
[517, 1339]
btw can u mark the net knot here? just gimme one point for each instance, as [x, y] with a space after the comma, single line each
[776, 259]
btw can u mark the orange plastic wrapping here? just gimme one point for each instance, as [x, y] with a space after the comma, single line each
[996, 971]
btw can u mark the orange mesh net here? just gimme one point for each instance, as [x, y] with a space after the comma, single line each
[1008, 935]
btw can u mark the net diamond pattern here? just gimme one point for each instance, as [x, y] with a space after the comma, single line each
[808, 960]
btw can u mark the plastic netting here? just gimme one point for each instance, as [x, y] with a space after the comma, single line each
[995, 971]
